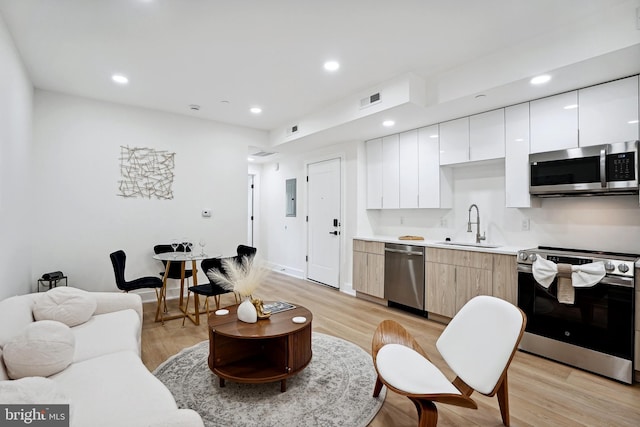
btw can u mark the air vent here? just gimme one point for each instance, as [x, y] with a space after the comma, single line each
[370, 100]
[292, 129]
[262, 154]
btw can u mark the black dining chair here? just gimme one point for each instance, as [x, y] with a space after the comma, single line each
[119, 260]
[213, 289]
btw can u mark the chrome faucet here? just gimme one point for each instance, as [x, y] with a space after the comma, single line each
[477, 223]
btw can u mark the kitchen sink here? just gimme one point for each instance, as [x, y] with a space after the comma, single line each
[473, 245]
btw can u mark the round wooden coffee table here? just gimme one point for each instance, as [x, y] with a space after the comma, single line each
[269, 350]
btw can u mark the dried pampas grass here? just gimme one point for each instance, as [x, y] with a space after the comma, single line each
[241, 277]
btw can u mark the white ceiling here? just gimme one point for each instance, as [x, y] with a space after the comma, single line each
[270, 53]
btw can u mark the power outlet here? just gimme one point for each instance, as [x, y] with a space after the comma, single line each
[526, 224]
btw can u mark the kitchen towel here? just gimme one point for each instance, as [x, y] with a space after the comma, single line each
[569, 276]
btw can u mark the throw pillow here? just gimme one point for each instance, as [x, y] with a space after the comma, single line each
[42, 349]
[3, 369]
[31, 390]
[70, 306]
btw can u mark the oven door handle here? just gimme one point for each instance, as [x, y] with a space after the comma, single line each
[625, 282]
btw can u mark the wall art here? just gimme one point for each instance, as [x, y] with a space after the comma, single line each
[146, 173]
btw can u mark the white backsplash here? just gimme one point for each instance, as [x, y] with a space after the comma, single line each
[610, 223]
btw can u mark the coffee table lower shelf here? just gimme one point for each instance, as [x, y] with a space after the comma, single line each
[253, 370]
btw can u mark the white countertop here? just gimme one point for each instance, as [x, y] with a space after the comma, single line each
[432, 243]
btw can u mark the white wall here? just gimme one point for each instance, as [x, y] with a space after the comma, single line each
[610, 223]
[285, 238]
[16, 101]
[79, 217]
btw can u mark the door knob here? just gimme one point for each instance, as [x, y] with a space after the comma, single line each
[335, 233]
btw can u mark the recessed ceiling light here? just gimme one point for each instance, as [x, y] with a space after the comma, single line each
[256, 110]
[250, 159]
[119, 78]
[331, 65]
[632, 122]
[435, 135]
[538, 80]
[480, 96]
[518, 139]
[570, 107]
[194, 107]
[388, 123]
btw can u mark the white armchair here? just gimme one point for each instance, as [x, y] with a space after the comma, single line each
[478, 345]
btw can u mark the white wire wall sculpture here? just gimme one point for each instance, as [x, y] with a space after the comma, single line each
[146, 173]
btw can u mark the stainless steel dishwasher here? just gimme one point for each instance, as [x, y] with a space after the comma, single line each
[404, 276]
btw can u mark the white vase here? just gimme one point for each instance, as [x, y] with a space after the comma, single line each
[247, 311]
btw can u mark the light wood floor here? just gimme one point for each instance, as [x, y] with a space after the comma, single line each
[541, 392]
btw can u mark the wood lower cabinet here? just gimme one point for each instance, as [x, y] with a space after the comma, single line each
[453, 277]
[505, 278]
[440, 289]
[368, 267]
[471, 282]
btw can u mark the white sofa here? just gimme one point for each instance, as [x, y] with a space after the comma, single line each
[106, 383]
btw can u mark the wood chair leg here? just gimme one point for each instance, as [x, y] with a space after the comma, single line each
[186, 310]
[503, 400]
[217, 300]
[206, 305]
[378, 387]
[427, 413]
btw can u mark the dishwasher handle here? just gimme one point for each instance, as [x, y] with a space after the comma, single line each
[398, 251]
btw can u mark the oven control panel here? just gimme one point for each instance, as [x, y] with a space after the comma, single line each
[612, 266]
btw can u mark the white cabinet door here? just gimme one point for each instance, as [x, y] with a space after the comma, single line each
[516, 162]
[554, 122]
[454, 141]
[409, 169]
[486, 135]
[609, 112]
[434, 182]
[391, 172]
[373, 149]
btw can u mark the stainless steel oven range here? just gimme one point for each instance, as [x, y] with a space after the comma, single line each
[596, 333]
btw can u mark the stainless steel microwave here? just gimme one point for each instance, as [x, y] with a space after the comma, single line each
[610, 169]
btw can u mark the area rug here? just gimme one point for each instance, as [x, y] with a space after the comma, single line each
[335, 389]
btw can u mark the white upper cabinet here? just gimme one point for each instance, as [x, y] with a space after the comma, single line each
[469, 139]
[391, 172]
[454, 141]
[434, 182]
[486, 135]
[409, 169]
[516, 162]
[609, 112]
[554, 122]
[373, 149]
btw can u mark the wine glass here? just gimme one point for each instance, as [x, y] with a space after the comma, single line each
[174, 246]
[188, 249]
[202, 243]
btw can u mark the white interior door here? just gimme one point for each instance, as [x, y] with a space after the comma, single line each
[324, 208]
[250, 213]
